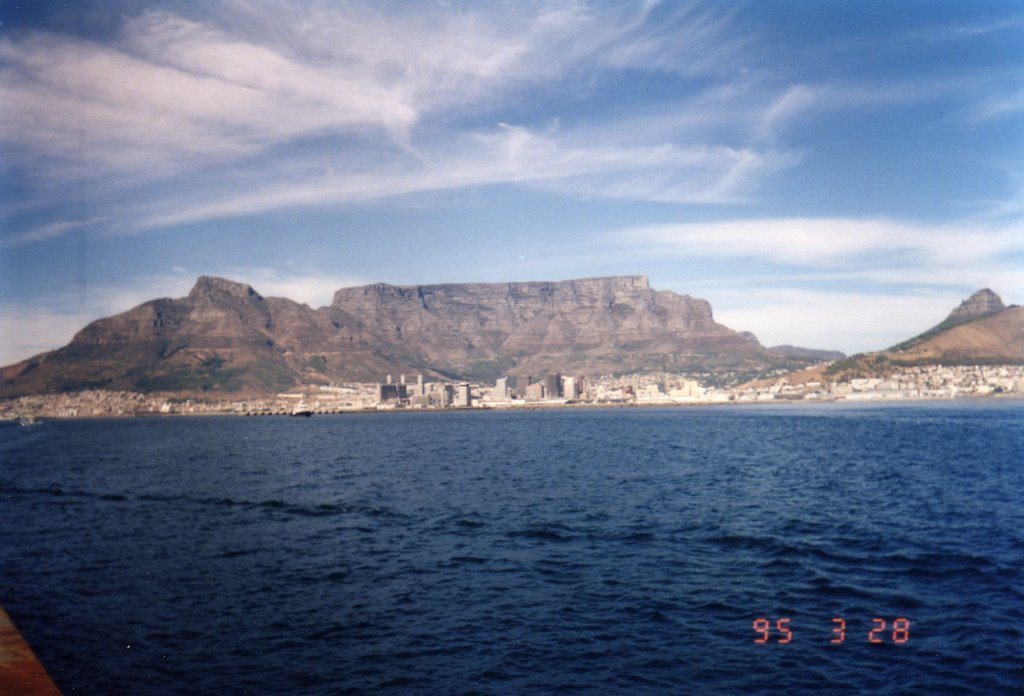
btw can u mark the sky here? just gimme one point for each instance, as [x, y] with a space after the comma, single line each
[834, 175]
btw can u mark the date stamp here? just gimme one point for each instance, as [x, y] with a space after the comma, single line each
[782, 632]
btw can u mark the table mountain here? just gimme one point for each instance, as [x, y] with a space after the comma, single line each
[225, 336]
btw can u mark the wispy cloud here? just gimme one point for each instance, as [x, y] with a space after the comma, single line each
[49, 231]
[223, 89]
[330, 104]
[846, 283]
[309, 286]
[970, 29]
[506, 155]
[826, 242]
[239, 89]
[849, 321]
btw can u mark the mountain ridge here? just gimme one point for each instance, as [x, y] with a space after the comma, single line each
[225, 336]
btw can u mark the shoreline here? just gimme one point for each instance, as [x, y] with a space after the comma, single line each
[31, 420]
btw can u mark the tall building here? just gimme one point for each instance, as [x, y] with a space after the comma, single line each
[462, 395]
[570, 388]
[552, 385]
[390, 392]
[501, 390]
[442, 395]
[418, 389]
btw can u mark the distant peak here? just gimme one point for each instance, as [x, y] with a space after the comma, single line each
[210, 287]
[980, 304]
[750, 336]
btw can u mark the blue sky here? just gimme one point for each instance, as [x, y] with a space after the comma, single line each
[829, 174]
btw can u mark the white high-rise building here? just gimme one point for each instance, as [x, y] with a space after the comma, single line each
[462, 395]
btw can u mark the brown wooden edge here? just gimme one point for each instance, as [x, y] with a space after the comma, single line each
[21, 673]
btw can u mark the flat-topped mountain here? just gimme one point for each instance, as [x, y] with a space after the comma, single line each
[588, 325]
[225, 336]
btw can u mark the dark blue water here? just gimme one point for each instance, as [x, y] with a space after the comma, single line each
[610, 552]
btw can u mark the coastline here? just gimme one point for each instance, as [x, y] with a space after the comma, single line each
[31, 418]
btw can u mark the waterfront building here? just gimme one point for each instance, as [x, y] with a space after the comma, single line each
[463, 397]
[389, 392]
[442, 395]
[535, 392]
[552, 385]
[500, 390]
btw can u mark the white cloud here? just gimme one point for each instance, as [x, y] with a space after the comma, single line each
[847, 321]
[176, 90]
[847, 284]
[826, 242]
[49, 231]
[1001, 105]
[171, 89]
[785, 107]
[27, 331]
[506, 155]
[969, 30]
[230, 97]
[314, 288]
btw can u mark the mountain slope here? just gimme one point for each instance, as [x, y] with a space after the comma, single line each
[981, 331]
[981, 304]
[994, 337]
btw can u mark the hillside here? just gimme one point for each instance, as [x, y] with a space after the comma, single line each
[981, 331]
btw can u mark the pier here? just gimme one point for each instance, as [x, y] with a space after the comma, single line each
[21, 673]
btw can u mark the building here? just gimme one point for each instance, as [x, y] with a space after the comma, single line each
[442, 395]
[463, 397]
[418, 389]
[389, 392]
[552, 385]
[500, 390]
[535, 392]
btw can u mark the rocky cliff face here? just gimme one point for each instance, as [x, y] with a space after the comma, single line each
[981, 304]
[225, 336]
[576, 325]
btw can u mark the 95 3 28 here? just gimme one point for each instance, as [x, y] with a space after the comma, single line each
[782, 631]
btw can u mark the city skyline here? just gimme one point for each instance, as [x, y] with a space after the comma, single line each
[837, 175]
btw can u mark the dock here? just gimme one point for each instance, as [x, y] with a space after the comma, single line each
[21, 673]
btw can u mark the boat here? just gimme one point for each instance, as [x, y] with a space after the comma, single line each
[301, 410]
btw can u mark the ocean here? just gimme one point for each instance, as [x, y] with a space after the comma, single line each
[832, 548]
